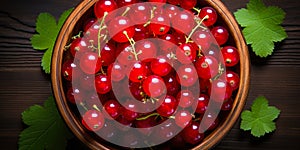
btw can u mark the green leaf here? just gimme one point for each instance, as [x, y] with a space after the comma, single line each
[261, 26]
[46, 128]
[260, 119]
[47, 31]
[46, 60]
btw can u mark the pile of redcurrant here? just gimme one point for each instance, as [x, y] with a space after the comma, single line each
[168, 64]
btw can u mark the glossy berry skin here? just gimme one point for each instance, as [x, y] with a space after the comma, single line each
[160, 66]
[116, 71]
[122, 3]
[91, 33]
[171, 11]
[102, 84]
[207, 67]
[139, 13]
[172, 84]
[67, 69]
[168, 44]
[183, 21]
[188, 4]
[160, 24]
[126, 57]
[78, 47]
[168, 106]
[220, 91]
[186, 53]
[108, 54]
[136, 90]
[112, 109]
[203, 38]
[118, 26]
[187, 75]
[90, 63]
[212, 16]
[221, 34]
[202, 103]
[138, 72]
[183, 118]
[173, 2]
[147, 50]
[102, 6]
[230, 55]
[75, 95]
[93, 120]
[129, 111]
[227, 105]
[154, 86]
[141, 32]
[210, 121]
[191, 133]
[185, 98]
[233, 79]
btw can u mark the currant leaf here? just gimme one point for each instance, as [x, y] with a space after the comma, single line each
[260, 119]
[261, 26]
[46, 128]
[47, 31]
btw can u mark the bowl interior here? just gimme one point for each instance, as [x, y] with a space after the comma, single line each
[73, 24]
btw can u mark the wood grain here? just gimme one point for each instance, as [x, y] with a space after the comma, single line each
[23, 84]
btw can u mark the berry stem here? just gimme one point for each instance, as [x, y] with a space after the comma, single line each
[132, 43]
[197, 10]
[146, 117]
[99, 33]
[83, 106]
[126, 11]
[77, 36]
[195, 28]
[151, 16]
[95, 107]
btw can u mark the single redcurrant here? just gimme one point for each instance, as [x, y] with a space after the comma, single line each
[154, 86]
[93, 120]
[221, 34]
[230, 55]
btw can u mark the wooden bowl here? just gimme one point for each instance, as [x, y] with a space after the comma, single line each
[71, 26]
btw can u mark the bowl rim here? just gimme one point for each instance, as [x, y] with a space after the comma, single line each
[212, 139]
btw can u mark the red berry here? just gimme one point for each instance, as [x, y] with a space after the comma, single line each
[183, 21]
[90, 63]
[230, 55]
[220, 91]
[160, 66]
[186, 53]
[112, 108]
[221, 34]
[160, 24]
[154, 86]
[172, 84]
[185, 98]
[93, 120]
[191, 133]
[102, 6]
[122, 3]
[116, 71]
[139, 72]
[139, 13]
[67, 69]
[108, 54]
[202, 103]
[188, 4]
[211, 13]
[168, 106]
[183, 118]
[102, 83]
[187, 75]
[207, 67]
[147, 50]
[78, 47]
[117, 28]
[233, 79]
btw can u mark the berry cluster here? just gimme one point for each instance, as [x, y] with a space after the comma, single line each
[164, 63]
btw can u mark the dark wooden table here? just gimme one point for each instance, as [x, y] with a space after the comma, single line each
[23, 83]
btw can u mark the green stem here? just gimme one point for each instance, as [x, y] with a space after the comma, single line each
[148, 116]
[99, 33]
[195, 28]
[132, 43]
